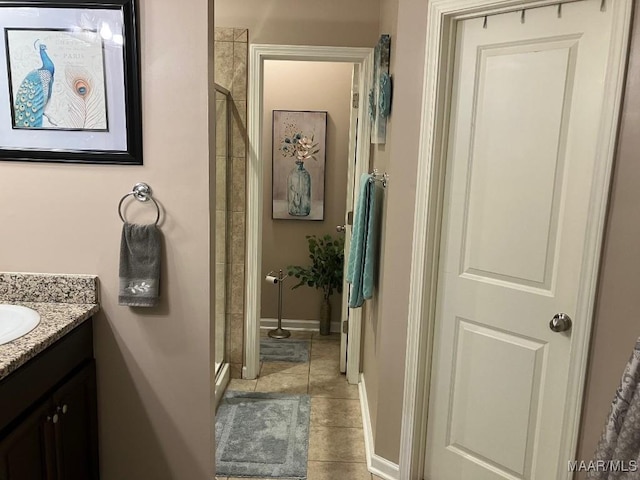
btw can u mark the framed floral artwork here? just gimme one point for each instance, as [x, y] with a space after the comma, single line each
[69, 81]
[299, 143]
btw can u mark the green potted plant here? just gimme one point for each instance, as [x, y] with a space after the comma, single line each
[325, 273]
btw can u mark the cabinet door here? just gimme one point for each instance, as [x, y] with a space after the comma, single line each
[27, 452]
[76, 430]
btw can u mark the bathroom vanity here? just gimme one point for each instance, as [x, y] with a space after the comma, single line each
[48, 408]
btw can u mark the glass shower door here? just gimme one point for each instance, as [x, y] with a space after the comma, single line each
[222, 250]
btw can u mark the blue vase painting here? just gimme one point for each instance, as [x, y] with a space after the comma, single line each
[299, 191]
[298, 164]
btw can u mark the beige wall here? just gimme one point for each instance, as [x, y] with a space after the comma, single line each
[380, 159]
[153, 364]
[351, 23]
[616, 325]
[386, 326]
[293, 85]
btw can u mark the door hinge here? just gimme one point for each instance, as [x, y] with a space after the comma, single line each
[350, 218]
[345, 327]
[356, 100]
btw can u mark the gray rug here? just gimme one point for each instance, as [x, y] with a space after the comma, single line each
[262, 435]
[284, 350]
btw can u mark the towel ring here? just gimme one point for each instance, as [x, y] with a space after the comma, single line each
[142, 193]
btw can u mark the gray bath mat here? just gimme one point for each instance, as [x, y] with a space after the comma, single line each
[284, 350]
[262, 435]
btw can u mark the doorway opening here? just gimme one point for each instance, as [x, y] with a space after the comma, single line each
[260, 198]
[335, 446]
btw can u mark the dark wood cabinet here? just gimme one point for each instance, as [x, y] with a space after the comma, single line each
[27, 452]
[54, 437]
[75, 431]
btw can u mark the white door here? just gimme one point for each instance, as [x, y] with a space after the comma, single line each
[526, 100]
[348, 218]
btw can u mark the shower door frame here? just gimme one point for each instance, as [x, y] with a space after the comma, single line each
[222, 374]
[258, 54]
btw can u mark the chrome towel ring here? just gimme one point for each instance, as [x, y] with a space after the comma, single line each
[141, 192]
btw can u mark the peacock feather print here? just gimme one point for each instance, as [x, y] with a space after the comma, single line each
[34, 92]
[85, 106]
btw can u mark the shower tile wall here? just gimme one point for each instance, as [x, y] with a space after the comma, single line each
[231, 72]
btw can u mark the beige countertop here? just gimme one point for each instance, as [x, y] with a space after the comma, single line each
[56, 320]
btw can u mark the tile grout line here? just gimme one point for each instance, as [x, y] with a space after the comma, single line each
[309, 366]
[337, 461]
[337, 426]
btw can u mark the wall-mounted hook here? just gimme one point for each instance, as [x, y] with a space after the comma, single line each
[484, 22]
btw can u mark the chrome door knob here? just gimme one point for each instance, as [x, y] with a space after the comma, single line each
[341, 228]
[561, 322]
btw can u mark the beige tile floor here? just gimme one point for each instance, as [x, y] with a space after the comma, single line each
[336, 438]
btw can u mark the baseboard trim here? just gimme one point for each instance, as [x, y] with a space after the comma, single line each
[376, 464]
[298, 325]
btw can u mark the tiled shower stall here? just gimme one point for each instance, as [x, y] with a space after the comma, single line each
[231, 49]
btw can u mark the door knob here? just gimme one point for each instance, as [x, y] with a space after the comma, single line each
[561, 322]
[341, 228]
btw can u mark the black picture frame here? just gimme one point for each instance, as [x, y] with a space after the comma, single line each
[116, 137]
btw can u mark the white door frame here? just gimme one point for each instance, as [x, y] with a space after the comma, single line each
[253, 264]
[442, 15]
[348, 231]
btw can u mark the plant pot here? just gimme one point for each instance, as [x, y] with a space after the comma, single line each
[325, 317]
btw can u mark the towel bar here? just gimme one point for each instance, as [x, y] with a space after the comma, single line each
[376, 176]
[141, 192]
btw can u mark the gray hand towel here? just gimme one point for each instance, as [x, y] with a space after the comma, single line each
[139, 265]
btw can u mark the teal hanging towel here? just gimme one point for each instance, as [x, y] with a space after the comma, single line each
[362, 265]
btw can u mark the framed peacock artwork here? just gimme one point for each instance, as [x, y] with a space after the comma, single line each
[69, 81]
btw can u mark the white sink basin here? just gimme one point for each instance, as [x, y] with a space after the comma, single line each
[16, 321]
